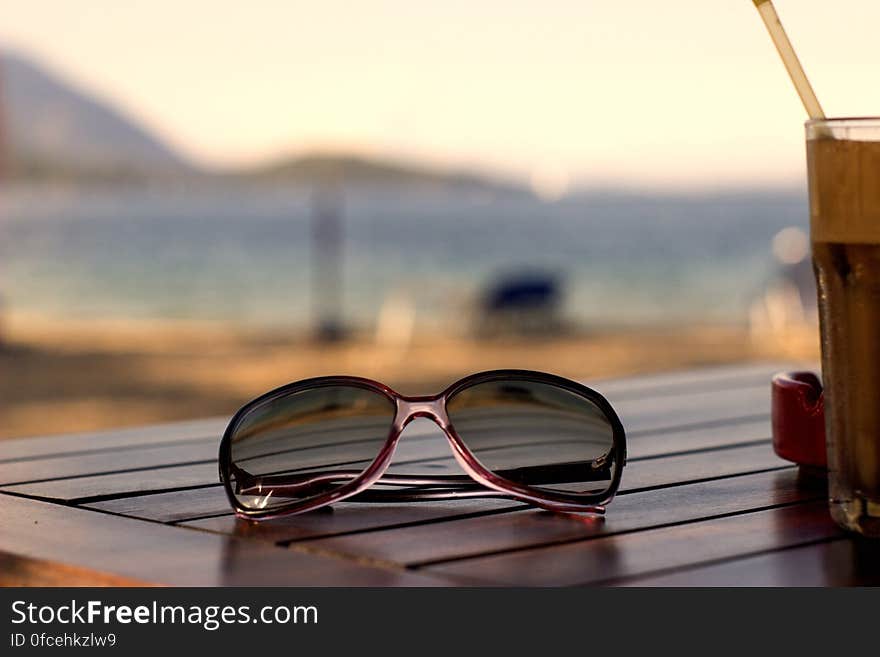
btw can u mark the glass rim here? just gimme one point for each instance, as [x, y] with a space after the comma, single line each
[843, 120]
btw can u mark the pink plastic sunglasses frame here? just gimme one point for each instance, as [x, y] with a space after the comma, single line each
[433, 407]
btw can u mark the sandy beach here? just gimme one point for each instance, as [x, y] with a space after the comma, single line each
[83, 376]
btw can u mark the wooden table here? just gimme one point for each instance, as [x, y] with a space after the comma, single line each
[704, 501]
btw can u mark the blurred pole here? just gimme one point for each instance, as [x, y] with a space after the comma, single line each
[327, 265]
[4, 154]
[4, 170]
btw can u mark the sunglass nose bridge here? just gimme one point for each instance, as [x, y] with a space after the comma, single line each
[432, 408]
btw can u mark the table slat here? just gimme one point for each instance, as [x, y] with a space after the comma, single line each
[93, 463]
[611, 559]
[17, 570]
[685, 381]
[166, 554]
[841, 562]
[78, 443]
[650, 414]
[348, 518]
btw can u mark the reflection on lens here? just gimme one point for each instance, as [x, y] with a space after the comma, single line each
[537, 435]
[307, 443]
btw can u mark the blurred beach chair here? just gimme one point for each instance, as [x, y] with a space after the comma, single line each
[520, 303]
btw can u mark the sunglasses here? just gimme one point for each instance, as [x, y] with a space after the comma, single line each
[531, 436]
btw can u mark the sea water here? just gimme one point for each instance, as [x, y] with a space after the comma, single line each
[243, 254]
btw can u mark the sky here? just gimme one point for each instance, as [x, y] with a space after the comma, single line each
[679, 94]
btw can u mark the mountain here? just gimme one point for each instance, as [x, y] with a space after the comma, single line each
[54, 129]
[50, 129]
[317, 169]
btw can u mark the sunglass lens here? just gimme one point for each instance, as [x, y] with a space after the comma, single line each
[537, 435]
[306, 443]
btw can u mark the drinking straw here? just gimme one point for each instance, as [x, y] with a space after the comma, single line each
[789, 58]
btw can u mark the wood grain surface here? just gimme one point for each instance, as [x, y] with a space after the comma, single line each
[703, 501]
